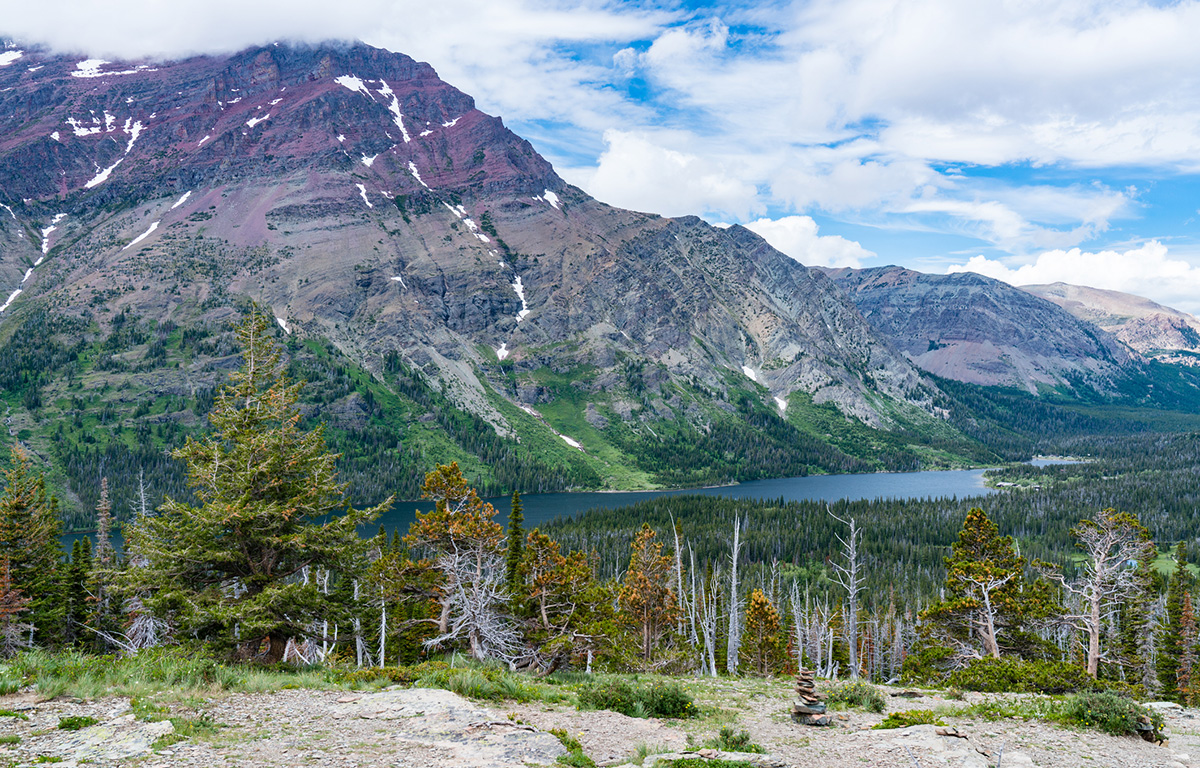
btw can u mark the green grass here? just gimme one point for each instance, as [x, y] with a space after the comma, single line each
[10, 739]
[76, 723]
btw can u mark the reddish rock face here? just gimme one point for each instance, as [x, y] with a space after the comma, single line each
[261, 112]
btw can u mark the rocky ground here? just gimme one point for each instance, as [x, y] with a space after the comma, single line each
[423, 727]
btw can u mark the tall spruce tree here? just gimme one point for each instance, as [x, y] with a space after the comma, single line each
[29, 531]
[1170, 646]
[231, 570]
[515, 536]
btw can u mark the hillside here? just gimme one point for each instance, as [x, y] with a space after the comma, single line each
[1156, 331]
[447, 292]
[974, 329]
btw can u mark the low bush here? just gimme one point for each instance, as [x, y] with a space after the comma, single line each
[910, 717]
[575, 756]
[657, 699]
[855, 693]
[1109, 712]
[1013, 675]
[729, 740]
[76, 723]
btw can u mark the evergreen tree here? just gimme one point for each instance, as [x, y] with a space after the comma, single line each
[29, 531]
[14, 633]
[74, 593]
[985, 595]
[1186, 683]
[1170, 647]
[646, 600]
[763, 648]
[232, 570]
[516, 538]
[465, 542]
[102, 614]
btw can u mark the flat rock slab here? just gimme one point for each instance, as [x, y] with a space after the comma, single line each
[471, 735]
[104, 743]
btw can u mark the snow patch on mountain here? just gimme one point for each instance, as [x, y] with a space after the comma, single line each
[412, 168]
[134, 131]
[394, 108]
[749, 373]
[353, 83]
[11, 298]
[519, 287]
[8, 57]
[363, 191]
[142, 236]
[256, 120]
[182, 200]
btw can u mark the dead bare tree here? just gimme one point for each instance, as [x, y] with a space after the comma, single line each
[849, 577]
[735, 604]
[1115, 542]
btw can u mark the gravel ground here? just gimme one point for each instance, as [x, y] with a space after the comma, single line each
[417, 727]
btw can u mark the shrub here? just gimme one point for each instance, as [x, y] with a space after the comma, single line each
[910, 717]
[480, 682]
[1012, 675]
[658, 699]
[730, 740]
[76, 723]
[1108, 712]
[575, 756]
[856, 693]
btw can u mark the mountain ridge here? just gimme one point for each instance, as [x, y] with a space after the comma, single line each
[367, 203]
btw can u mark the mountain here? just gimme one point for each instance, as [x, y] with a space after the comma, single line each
[1153, 330]
[445, 292]
[972, 328]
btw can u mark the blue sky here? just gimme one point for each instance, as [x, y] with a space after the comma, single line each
[1030, 141]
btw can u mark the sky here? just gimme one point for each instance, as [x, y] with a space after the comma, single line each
[1033, 141]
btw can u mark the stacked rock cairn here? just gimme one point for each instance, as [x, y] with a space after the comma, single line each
[808, 709]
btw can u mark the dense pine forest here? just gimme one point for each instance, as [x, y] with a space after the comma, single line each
[248, 548]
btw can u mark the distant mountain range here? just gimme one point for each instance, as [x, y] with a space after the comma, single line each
[447, 295]
[1153, 330]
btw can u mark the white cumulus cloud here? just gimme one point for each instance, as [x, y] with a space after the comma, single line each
[1144, 271]
[637, 172]
[798, 237]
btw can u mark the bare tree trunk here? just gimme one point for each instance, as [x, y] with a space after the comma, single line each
[735, 628]
[849, 578]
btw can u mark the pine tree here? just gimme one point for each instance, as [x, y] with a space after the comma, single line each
[1186, 683]
[74, 592]
[516, 539]
[102, 613]
[14, 632]
[230, 570]
[985, 595]
[1169, 639]
[763, 648]
[646, 599]
[465, 542]
[29, 531]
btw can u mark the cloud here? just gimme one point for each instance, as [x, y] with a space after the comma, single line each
[849, 107]
[1144, 271]
[797, 237]
[637, 172]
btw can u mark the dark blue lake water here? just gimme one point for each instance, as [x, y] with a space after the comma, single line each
[540, 508]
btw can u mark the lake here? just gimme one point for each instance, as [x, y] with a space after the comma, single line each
[540, 508]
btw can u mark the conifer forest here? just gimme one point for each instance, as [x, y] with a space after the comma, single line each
[244, 542]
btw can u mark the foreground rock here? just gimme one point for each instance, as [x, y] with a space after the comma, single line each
[388, 728]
